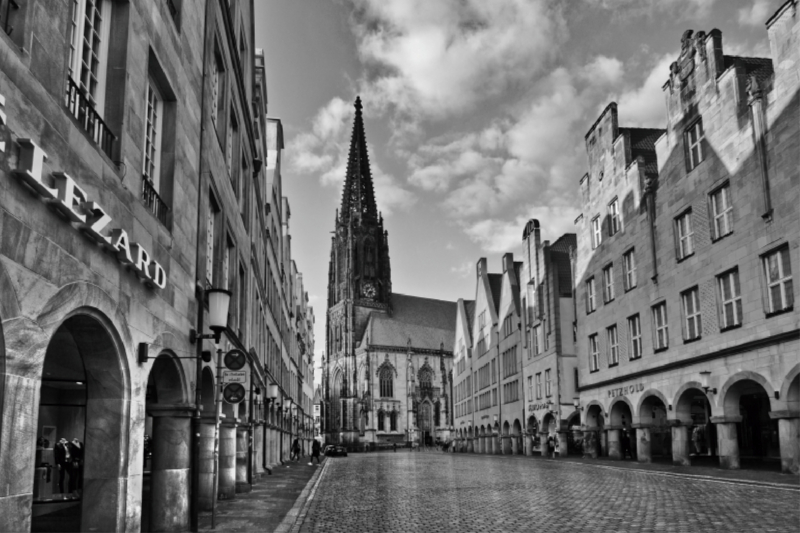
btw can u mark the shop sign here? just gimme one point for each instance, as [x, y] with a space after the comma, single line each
[537, 406]
[67, 197]
[624, 391]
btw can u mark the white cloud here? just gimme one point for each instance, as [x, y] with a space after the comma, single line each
[645, 106]
[464, 270]
[756, 14]
[686, 9]
[604, 70]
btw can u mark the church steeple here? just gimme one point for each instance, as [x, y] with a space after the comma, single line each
[358, 195]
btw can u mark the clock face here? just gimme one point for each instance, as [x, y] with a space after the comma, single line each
[369, 291]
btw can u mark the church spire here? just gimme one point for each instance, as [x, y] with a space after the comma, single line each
[358, 196]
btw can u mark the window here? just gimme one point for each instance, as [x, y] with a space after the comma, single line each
[593, 354]
[386, 382]
[211, 233]
[231, 147]
[482, 320]
[778, 272]
[694, 139]
[217, 86]
[597, 234]
[530, 386]
[393, 421]
[494, 372]
[613, 345]
[635, 334]
[721, 212]
[152, 135]
[381, 418]
[661, 336]
[537, 348]
[692, 320]
[547, 390]
[730, 296]
[88, 47]
[591, 304]
[508, 326]
[684, 235]
[539, 386]
[242, 301]
[608, 283]
[614, 223]
[629, 265]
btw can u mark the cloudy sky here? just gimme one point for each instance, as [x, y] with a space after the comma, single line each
[475, 114]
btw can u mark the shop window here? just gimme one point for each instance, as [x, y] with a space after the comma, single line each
[594, 354]
[684, 235]
[721, 212]
[597, 234]
[661, 331]
[614, 220]
[730, 295]
[613, 345]
[692, 319]
[635, 335]
[778, 276]
[591, 303]
[608, 283]
[694, 140]
[629, 266]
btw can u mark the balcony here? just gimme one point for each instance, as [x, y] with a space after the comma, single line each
[153, 201]
[83, 110]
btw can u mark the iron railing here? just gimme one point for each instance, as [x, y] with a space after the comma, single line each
[83, 110]
[153, 201]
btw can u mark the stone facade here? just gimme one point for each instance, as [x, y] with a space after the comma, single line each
[106, 172]
[704, 359]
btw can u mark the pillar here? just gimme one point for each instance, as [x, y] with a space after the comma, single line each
[614, 443]
[470, 445]
[728, 445]
[528, 445]
[544, 444]
[258, 451]
[205, 497]
[170, 470]
[514, 444]
[603, 443]
[227, 460]
[789, 437]
[680, 446]
[242, 445]
[643, 449]
[562, 444]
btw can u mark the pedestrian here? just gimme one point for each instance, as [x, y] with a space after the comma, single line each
[394, 446]
[626, 444]
[551, 447]
[295, 454]
[314, 452]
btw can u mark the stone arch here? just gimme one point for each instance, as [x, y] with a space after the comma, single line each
[506, 428]
[169, 379]
[595, 415]
[549, 422]
[207, 390]
[516, 428]
[617, 411]
[649, 393]
[533, 424]
[574, 419]
[681, 402]
[790, 390]
[729, 393]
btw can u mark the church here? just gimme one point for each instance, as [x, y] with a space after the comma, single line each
[387, 368]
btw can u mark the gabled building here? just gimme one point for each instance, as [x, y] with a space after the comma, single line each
[462, 376]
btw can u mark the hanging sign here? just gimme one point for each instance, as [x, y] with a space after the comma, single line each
[234, 376]
[65, 196]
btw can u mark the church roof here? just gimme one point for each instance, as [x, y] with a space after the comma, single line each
[358, 195]
[427, 322]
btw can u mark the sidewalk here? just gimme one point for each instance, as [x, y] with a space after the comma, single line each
[266, 506]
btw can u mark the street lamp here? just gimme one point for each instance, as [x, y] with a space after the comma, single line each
[704, 375]
[577, 403]
[218, 303]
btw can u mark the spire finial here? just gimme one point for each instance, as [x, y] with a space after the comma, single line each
[358, 104]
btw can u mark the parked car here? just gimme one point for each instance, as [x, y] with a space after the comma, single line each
[336, 451]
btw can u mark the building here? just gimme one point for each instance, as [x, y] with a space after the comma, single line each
[132, 179]
[488, 364]
[550, 369]
[687, 332]
[386, 369]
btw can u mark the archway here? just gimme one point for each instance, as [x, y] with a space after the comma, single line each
[594, 443]
[694, 441]
[653, 437]
[81, 444]
[516, 438]
[789, 425]
[533, 435]
[621, 445]
[574, 434]
[425, 423]
[756, 433]
[206, 466]
[167, 445]
[506, 439]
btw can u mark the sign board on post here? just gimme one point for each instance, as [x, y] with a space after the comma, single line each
[234, 376]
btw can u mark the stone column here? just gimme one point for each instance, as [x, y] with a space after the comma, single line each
[728, 445]
[680, 446]
[544, 444]
[258, 451]
[528, 445]
[470, 445]
[498, 445]
[603, 443]
[206, 465]
[643, 451]
[563, 450]
[614, 443]
[170, 475]
[227, 460]
[242, 441]
[789, 437]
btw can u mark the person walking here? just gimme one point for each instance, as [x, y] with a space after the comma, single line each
[394, 446]
[295, 455]
[314, 452]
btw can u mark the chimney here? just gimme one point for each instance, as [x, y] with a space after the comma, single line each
[508, 262]
[480, 267]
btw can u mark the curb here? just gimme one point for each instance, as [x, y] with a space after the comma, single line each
[294, 518]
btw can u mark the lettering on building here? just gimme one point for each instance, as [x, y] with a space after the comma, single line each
[624, 391]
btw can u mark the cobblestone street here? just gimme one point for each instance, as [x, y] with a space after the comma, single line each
[444, 492]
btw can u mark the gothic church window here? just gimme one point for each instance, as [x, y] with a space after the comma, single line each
[381, 421]
[387, 383]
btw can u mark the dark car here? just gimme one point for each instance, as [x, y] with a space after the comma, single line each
[336, 451]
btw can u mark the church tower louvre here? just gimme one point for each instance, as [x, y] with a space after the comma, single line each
[359, 277]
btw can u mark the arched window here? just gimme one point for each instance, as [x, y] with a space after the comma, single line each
[393, 421]
[387, 382]
[437, 409]
[425, 377]
[381, 418]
